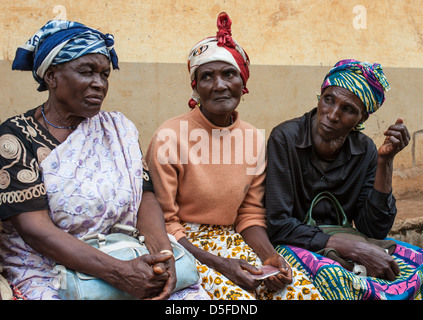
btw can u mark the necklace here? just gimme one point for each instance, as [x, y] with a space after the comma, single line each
[44, 116]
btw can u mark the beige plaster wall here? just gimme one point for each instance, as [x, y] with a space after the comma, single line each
[274, 32]
[291, 44]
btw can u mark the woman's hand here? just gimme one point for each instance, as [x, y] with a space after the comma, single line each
[377, 262]
[166, 267]
[239, 272]
[236, 270]
[257, 238]
[152, 226]
[145, 277]
[397, 138]
[140, 277]
[278, 282]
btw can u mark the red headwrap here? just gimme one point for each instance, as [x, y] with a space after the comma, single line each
[224, 39]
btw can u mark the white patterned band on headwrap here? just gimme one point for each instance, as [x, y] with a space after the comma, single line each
[207, 51]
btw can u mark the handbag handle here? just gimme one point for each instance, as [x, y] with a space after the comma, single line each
[132, 230]
[338, 209]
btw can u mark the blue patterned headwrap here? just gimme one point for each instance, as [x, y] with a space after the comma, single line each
[365, 80]
[61, 41]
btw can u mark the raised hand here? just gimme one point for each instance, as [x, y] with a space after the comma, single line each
[397, 138]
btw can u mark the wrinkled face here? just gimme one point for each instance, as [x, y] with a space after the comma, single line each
[219, 85]
[338, 112]
[81, 85]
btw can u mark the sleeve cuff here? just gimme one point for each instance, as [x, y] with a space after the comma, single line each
[319, 241]
[383, 201]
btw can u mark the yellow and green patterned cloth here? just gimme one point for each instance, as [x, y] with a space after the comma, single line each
[225, 242]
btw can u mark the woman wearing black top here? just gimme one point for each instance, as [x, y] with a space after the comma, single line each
[324, 150]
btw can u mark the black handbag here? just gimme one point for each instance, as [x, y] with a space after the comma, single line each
[343, 229]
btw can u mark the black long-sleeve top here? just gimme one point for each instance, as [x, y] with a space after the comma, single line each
[295, 175]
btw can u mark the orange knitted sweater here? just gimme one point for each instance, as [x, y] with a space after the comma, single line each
[206, 174]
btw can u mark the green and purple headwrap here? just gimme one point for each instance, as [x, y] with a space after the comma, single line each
[365, 80]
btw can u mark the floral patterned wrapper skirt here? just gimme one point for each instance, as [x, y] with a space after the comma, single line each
[225, 242]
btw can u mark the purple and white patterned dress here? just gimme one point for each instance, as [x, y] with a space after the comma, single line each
[92, 181]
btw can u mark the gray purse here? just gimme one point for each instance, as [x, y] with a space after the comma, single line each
[74, 285]
[5, 290]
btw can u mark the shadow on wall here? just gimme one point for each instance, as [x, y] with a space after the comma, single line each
[417, 148]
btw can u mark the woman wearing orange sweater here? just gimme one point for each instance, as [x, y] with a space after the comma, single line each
[208, 171]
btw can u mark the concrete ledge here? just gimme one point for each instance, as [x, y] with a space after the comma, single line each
[409, 230]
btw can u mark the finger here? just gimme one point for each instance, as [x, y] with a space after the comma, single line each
[392, 145]
[286, 278]
[401, 128]
[395, 142]
[250, 268]
[405, 134]
[285, 266]
[280, 263]
[395, 267]
[153, 259]
[274, 283]
[165, 293]
[398, 126]
[402, 135]
[159, 268]
[392, 132]
[162, 267]
[389, 275]
[404, 131]
[160, 295]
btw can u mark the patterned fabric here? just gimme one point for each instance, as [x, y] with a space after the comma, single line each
[365, 80]
[60, 41]
[222, 47]
[17, 294]
[225, 242]
[194, 292]
[336, 283]
[24, 143]
[93, 180]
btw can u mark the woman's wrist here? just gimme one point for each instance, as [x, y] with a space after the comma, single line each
[344, 247]
[383, 176]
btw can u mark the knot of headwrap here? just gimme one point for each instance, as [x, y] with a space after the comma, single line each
[61, 41]
[224, 34]
[222, 47]
[365, 80]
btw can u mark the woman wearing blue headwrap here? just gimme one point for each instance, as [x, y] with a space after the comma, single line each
[325, 151]
[69, 170]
